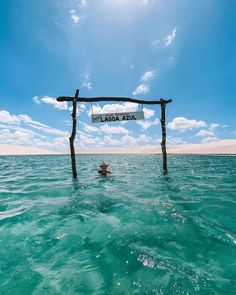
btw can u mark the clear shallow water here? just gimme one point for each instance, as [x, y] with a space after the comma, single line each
[135, 232]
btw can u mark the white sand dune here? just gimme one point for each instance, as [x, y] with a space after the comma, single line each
[216, 147]
[6, 149]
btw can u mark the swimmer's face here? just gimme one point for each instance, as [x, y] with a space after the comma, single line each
[104, 168]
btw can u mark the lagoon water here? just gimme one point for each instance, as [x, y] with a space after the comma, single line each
[134, 232]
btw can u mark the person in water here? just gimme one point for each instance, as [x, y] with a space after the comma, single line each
[103, 170]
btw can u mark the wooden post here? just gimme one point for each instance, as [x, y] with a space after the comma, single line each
[163, 128]
[73, 134]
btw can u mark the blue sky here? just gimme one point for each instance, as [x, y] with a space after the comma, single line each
[149, 49]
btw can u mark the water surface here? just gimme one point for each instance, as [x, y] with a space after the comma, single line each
[134, 232]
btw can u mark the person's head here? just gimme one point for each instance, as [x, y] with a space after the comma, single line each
[104, 166]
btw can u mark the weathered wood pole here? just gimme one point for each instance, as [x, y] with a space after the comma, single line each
[163, 128]
[73, 134]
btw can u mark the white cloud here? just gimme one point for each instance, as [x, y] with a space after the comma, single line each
[20, 130]
[46, 129]
[25, 118]
[144, 87]
[14, 128]
[171, 140]
[83, 3]
[106, 129]
[52, 101]
[36, 99]
[19, 137]
[169, 39]
[61, 141]
[7, 118]
[114, 108]
[128, 140]
[144, 138]
[209, 135]
[147, 124]
[113, 129]
[109, 140]
[141, 89]
[183, 124]
[81, 107]
[131, 140]
[88, 128]
[40, 126]
[148, 113]
[205, 133]
[213, 126]
[147, 76]
[85, 139]
[22, 136]
[87, 83]
[144, 3]
[210, 139]
[75, 18]
[117, 139]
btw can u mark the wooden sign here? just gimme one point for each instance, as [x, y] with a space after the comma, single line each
[115, 117]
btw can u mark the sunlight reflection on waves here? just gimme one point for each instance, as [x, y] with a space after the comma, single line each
[13, 212]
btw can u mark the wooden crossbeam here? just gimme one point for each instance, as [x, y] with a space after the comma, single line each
[120, 99]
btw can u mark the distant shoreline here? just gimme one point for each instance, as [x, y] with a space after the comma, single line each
[220, 148]
[118, 154]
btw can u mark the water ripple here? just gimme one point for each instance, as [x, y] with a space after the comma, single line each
[136, 232]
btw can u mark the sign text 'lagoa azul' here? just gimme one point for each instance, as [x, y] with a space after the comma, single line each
[115, 117]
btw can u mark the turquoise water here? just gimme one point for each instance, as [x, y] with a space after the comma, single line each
[135, 232]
